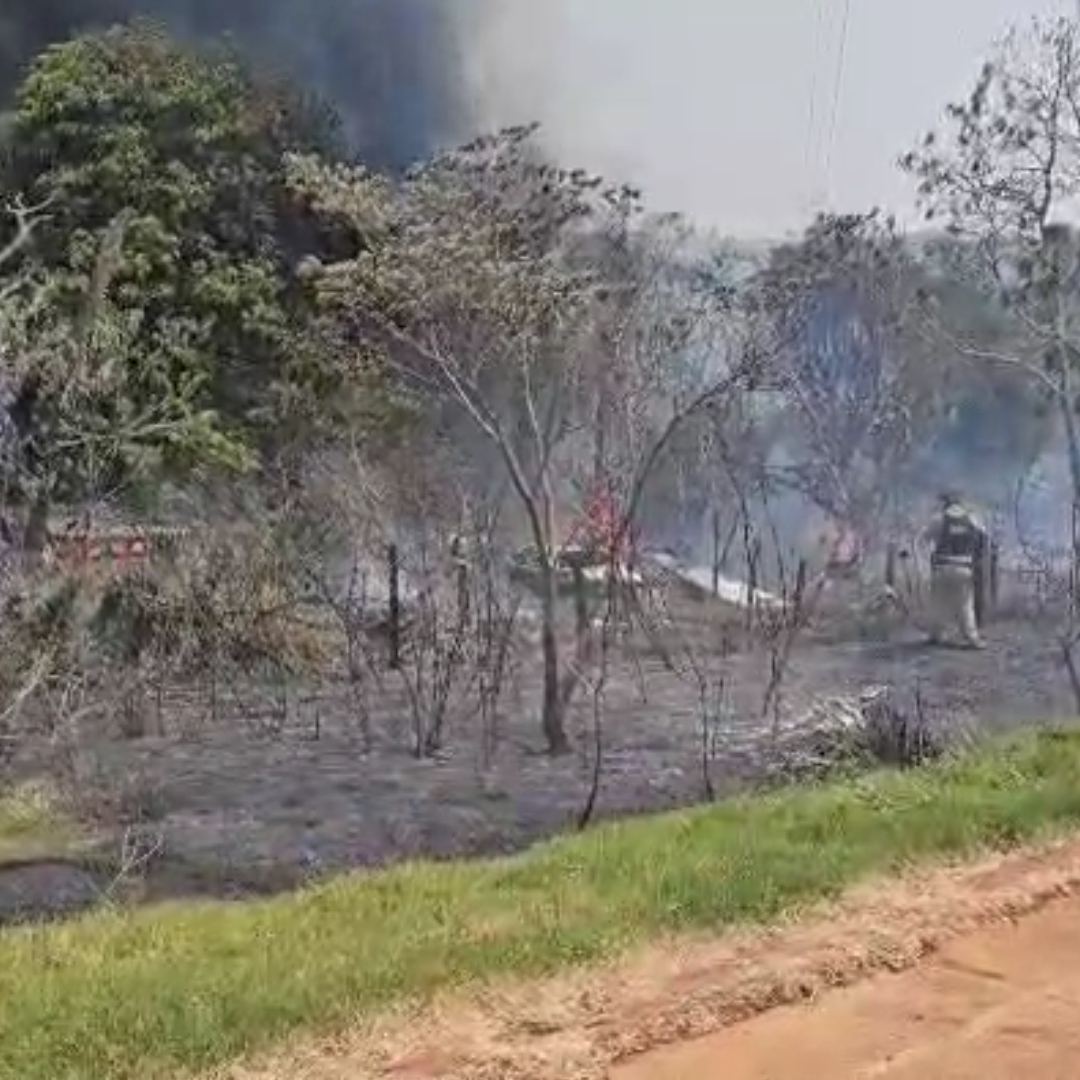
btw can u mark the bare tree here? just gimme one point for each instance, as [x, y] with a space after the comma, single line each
[25, 220]
[450, 649]
[1003, 175]
[854, 387]
[479, 287]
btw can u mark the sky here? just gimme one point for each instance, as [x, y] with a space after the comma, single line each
[723, 109]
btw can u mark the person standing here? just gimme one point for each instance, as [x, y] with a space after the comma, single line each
[958, 543]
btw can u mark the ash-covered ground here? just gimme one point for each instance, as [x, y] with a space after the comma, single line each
[249, 789]
[310, 791]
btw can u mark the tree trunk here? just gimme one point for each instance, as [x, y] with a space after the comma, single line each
[553, 715]
[1067, 404]
[36, 533]
[1073, 442]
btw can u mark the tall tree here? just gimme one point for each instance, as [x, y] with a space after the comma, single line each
[185, 149]
[1003, 175]
[853, 381]
[481, 283]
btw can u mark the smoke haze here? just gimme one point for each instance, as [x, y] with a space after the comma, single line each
[723, 109]
[393, 68]
[751, 115]
[747, 115]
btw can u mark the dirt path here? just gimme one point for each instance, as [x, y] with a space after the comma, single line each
[993, 1005]
[945, 975]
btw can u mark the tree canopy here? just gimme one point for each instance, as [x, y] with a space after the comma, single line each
[158, 169]
[197, 283]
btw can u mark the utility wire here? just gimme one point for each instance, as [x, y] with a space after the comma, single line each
[838, 83]
[812, 102]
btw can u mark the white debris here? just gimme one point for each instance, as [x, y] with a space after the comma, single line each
[728, 590]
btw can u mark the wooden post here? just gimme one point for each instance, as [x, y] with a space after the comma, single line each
[987, 580]
[581, 604]
[798, 599]
[984, 583]
[394, 612]
[995, 572]
[890, 564]
[461, 577]
[716, 552]
[753, 563]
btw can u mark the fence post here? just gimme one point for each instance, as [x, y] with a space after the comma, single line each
[394, 612]
[995, 570]
[716, 554]
[461, 578]
[752, 568]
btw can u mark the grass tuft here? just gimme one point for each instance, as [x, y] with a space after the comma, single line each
[182, 988]
[32, 826]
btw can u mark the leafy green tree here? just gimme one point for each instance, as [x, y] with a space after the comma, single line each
[183, 148]
[78, 420]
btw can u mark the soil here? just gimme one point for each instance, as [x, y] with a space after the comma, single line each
[329, 782]
[46, 889]
[992, 1006]
[953, 974]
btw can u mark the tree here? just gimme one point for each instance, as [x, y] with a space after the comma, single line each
[76, 417]
[855, 387]
[484, 284]
[991, 419]
[1002, 175]
[184, 149]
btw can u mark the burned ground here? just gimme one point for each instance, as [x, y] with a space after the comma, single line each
[257, 791]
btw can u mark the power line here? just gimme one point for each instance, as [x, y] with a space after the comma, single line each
[811, 109]
[838, 81]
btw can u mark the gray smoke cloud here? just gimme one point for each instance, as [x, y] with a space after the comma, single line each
[394, 69]
[747, 114]
[718, 110]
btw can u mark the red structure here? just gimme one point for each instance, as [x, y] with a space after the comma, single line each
[115, 550]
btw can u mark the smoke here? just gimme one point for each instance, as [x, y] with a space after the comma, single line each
[395, 70]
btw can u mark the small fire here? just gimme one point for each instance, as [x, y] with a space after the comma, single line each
[602, 528]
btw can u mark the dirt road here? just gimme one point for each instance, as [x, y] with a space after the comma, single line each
[995, 1005]
[951, 973]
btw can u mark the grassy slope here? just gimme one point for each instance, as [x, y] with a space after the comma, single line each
[181, 988]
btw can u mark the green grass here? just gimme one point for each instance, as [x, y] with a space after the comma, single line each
[181, 988]
[32, 827]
